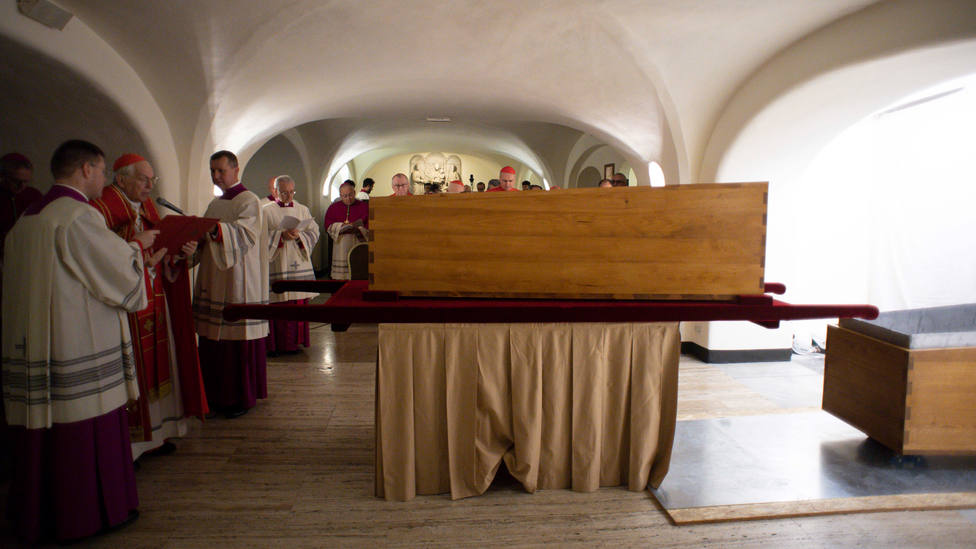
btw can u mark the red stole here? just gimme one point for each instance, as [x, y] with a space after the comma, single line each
[148, 326]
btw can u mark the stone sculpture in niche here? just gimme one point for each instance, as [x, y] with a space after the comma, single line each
[435, 167]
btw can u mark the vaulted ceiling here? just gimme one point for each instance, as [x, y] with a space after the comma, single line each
[610, 68]
[670, 81]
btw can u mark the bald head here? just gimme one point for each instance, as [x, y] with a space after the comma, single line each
[271, 187]
[347, 192]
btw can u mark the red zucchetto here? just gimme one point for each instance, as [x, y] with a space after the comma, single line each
[126, 160]
[508, 169]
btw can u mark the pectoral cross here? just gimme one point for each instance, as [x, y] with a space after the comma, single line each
[347, 213]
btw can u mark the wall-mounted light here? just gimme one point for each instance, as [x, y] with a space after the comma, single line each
[45, 13]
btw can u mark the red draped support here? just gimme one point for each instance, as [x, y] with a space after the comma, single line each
[352, 302]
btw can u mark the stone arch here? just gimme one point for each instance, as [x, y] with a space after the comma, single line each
[277, 157]
[588, 177]
[79, 55]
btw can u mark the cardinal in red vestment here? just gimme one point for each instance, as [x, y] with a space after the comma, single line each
[167, 362]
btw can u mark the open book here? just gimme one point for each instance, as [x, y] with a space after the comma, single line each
[352, 227]
[177, 230]
[289, 222]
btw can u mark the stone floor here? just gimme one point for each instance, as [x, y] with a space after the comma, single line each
[297, 471]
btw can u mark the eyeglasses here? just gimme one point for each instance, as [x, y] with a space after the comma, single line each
[399, 185]
[146, 179]
[288, 192]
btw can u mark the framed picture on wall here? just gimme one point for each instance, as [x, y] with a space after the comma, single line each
[608, 171]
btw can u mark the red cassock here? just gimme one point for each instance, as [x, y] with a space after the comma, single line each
[151, 345]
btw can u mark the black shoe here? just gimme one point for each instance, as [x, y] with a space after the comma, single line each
[236, 412]
[166, 449]
[133, 515]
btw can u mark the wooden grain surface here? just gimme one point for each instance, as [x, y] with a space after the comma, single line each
[691, 241]
[809, 508]
[941, 412]
[865, 383]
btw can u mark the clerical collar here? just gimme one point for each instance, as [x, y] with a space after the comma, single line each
[283, 205]
[230, 193]
[58, 190]
[69, 187]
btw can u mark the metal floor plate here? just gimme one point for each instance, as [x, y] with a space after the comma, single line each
[794, 457]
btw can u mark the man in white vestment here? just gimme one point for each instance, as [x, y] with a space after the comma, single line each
[233, 270]
[290, 253]
[367, 188]
[272, 193]
[68, 364]
[347, 223]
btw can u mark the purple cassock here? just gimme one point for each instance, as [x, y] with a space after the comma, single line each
[75, 479]
[285, 336]
[339, 212]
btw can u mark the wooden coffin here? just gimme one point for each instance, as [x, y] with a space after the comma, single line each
[914, 401]
[685, 242]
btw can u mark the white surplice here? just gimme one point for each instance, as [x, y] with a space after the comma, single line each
[290, 259]
[233, 270]
[68, 282]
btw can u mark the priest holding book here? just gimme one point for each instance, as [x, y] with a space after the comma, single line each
[347, 222]
[233, 270]
[292, 234]
[167, 363]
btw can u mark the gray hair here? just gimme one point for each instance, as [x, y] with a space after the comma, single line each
[283, 179]
[129, 170]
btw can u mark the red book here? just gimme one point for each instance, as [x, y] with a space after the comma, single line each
[177, 230]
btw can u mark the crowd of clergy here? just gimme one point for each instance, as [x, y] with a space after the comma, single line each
[108, 352]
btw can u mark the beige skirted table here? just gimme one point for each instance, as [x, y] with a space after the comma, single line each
[565, 405]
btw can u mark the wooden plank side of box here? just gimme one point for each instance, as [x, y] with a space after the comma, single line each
[686, 242]
[865, 383]
[941, 418]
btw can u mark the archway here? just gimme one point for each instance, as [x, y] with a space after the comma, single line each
[46, 102]
[589, 177]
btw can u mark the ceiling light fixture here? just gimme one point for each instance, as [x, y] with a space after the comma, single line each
[44, 12]
[438, 119]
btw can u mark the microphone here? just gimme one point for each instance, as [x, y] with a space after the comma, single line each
[166, 203]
